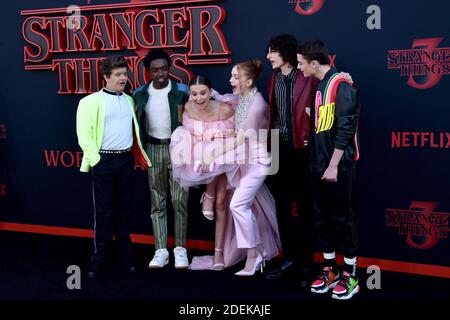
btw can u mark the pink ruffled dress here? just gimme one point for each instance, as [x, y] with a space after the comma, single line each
[195, 141]
[263, 205]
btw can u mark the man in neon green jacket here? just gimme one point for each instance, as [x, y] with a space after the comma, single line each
[108, 134]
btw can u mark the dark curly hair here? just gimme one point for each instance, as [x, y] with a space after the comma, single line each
[286, 46]
[156, 54]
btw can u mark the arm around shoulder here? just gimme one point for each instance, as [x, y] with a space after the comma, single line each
[226, 111]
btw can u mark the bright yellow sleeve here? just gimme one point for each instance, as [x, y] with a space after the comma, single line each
[86, 124]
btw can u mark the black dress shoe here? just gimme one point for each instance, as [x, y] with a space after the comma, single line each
[131, 269]
[306, 277]
[96, 266]
[92, 274]
[129, 265]
[93, 271]
[283, 270]
[304, 283]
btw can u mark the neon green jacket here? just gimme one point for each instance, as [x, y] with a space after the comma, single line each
[90, 126]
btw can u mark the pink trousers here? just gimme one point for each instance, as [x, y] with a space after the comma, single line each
[247, 231]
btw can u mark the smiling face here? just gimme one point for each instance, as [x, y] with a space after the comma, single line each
[117, 80]
[200, 95]
[308, 68]
[240, 84]
[159, 69]
[234, 80]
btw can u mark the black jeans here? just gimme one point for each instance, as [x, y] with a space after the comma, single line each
[112, 191]
[333, 213]
[291, 185]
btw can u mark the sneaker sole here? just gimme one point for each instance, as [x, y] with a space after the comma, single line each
[155, 266]
[347, 297]
[326, 289]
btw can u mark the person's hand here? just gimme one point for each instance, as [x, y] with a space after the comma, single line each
[330, 175]
[230, 133]
[213, 134]
[347, 76]
[203, 167]
[214, 94]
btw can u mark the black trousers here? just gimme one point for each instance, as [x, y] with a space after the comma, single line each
[291, 185]
[333, 213]
[112, 191]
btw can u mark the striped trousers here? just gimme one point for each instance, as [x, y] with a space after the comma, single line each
[159, 176]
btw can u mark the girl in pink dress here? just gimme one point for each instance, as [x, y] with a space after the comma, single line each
[250, 229]
[206, 124]
[256, 228]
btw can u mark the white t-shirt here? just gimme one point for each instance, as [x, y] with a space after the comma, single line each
[118, 130]
[158, 112]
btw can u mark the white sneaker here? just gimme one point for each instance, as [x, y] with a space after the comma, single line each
[160, 259]
[181, 259]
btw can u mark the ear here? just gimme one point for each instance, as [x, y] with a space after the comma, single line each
[249, 83]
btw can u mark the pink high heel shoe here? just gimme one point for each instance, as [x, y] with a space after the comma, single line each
[259, 263]
[219, 265]
[209, 214]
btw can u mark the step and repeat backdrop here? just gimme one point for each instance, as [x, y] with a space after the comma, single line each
[398, 52]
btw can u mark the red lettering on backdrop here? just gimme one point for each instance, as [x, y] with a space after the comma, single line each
[3, 131]
[428, 241]
[417, 139]
[433, 78]
[424, 64]
[196, 28]
[332, 57]
[66, 158]
[307, 7]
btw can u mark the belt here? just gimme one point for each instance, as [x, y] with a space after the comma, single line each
[114, 151]
[153, 140]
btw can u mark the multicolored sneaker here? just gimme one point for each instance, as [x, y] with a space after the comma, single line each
[325, 281]
[346, 287]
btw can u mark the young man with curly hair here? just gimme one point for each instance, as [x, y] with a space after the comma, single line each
[290, 99]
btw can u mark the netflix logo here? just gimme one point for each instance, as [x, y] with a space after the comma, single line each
[420, 139]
